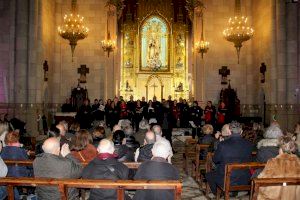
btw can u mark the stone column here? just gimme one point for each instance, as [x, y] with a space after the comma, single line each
[21, 51]
[291, 63]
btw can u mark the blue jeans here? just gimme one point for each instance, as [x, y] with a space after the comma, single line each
[3, 193]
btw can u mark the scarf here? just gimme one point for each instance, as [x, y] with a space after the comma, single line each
[104, 156]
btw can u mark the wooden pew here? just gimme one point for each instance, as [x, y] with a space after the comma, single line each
[189, 152]
[119, 185]
[229, 168]
[130, 165]
[264, 182]
[197, 162]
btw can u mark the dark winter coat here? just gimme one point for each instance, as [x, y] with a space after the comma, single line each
[155, 169]
[233, 150]
[48, 165]
[105, 169]
[145, 153]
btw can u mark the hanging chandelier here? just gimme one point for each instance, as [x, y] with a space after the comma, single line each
[108, 45]
[238, 30]
[73, 28]
[202, 46]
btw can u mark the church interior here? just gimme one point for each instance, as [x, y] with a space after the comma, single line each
[245, 53]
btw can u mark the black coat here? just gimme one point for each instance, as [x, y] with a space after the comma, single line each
[155, 169]
[145, 153]
[99, 169]
[233, 150]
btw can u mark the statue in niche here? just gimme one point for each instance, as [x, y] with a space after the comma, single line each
[179, 87]
[179, 63]
[154, 44]
[153, 53]
[179, 44]
[128, 87]
[128, 63]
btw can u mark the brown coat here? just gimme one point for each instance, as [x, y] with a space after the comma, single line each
[87, 154]
[282, 166]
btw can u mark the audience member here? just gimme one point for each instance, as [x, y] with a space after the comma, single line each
[98, 134]
[124, 153]
[14, 151]
[143, 128]
[268, 147]
[55, 163]
[130, 139]
[284, 165]
[208, 138]
[81, 146]
[221, 136]
[64, 137]
[105, 166]
[74, 127]
[157, 169]
[234, 149]
[3, 173]
[145, 152]
[158, 137]
[208, 131]
[4, 127]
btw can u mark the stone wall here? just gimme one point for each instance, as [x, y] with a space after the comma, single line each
[64, 74]
[222, 52]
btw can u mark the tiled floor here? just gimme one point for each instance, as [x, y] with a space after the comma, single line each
[191, 189]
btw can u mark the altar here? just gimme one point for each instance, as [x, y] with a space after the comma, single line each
[154, 56]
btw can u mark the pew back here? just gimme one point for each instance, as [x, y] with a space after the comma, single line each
[130, 165]
[64, 184]
[228, 171]
[265, 182]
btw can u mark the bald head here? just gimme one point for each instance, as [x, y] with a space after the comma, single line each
[150, 137]
[106, 146]
[51, 146]
[157, 130]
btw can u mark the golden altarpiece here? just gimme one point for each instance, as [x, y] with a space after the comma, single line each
[154, 50]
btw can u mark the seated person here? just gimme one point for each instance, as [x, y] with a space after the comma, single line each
[235, 149]
[130, 139]
[74, 127]
[55, 163]
[158, 134]
[105, 166]
[208, 138]
[64, 137]
[124, 153]
[225, 133]
[3, 173]
[81, 146]
[143, 128]
[157, 168]
[145, 152]
[268, 147]
[284, 165]
[98, 134]
[14, 151]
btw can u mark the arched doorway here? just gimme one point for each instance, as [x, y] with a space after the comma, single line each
[154, 87]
